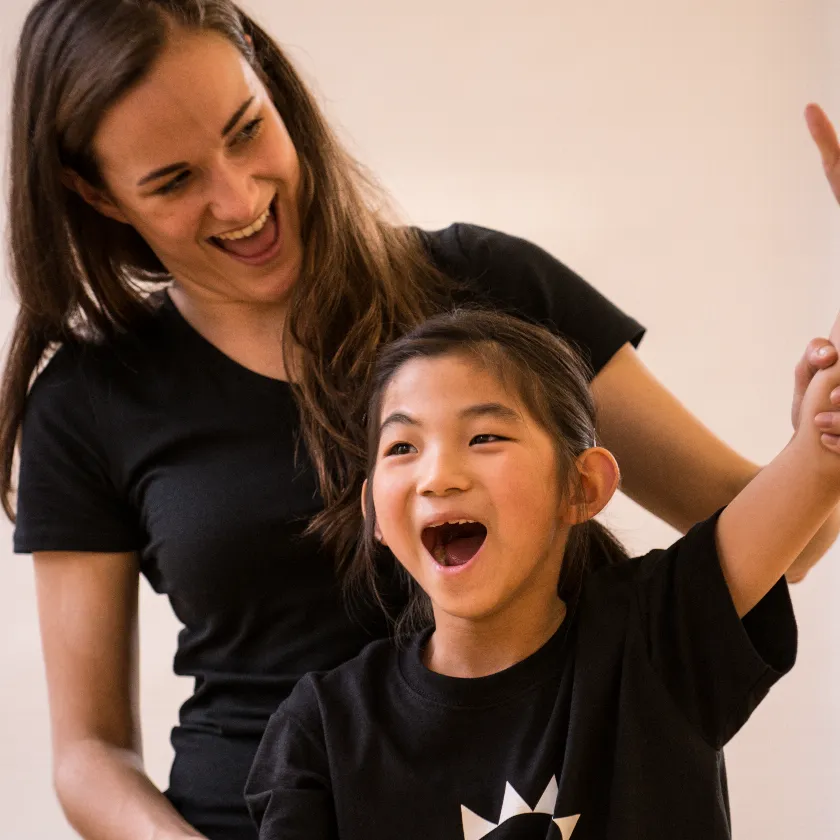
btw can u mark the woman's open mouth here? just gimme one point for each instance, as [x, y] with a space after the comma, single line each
[454, 543]
[255, 244]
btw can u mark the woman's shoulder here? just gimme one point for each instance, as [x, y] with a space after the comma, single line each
[473, 254]
[84, 364]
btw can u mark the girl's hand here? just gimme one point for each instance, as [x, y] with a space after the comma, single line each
[819, 355]
[819, 404]
[826, 139]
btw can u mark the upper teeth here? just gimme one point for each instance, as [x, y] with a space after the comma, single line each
[254, 227]
[457, 522]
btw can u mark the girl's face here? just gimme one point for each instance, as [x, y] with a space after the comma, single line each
[457, 447]
[197, 159]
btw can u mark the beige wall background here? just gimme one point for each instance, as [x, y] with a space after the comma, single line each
[656, 147]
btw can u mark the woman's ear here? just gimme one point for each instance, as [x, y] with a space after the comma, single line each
[598, 479]
[377, 532]
[96, 198]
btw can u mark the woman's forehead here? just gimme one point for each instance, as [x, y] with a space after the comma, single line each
[181, 107]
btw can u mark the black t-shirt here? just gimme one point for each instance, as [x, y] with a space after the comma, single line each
[159, 443]
[611, 731]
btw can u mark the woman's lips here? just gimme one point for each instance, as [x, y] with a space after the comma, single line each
[259, 248]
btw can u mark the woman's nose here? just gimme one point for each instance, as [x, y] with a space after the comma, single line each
[442, 474]
[234, 196]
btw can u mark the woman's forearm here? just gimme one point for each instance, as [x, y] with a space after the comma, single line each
[660, 445]
[106, 795]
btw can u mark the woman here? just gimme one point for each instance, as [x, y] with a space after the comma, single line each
[170, 142]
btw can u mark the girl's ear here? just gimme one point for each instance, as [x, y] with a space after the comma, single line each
[598, 480]
[377, 532]
[96, 198]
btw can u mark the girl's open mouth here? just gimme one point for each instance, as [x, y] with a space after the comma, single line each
[255, 244]
[454, 543]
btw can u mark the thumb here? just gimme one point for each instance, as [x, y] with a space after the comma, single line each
[824, 135]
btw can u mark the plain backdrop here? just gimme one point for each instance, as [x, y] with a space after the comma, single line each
[656, 147]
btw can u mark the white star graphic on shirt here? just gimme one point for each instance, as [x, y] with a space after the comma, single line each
[475, 827]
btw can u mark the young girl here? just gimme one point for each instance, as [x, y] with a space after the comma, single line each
[596, 707]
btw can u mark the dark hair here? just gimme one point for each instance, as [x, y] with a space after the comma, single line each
[81, 277]
[552, 382]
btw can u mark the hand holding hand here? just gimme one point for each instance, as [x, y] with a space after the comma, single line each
[816, 398]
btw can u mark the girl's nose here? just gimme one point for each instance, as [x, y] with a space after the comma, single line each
[442, 474]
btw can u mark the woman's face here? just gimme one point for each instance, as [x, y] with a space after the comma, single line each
[197, 159]
[457, 447]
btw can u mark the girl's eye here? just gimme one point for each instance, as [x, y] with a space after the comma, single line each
[174, 185]
[487, 439]
[248, 131]
[399, 449]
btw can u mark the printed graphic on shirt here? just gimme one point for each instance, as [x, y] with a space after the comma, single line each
[518, 820]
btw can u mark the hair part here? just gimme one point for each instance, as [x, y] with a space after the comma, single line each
[81, 277]
[550, 380]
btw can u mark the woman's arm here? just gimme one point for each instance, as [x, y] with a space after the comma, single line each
[660, 445]
[770, 521]
[87, 605]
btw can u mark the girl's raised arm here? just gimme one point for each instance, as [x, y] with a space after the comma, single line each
[768, 524]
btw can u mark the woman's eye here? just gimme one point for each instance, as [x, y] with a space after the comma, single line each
[487, 439]
[175, 184]
[399, 449]
[248, 131]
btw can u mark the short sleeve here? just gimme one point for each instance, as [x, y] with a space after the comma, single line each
[288, 792]
[520, 278]
[66, 500]
[717, 666]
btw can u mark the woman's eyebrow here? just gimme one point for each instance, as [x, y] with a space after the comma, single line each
[175, 167]
[231, 123]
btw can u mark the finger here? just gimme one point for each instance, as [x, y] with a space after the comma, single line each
[828, 422]
[824, 135]
[835, 396]
[819, 353]
[831, 442]
[796, 576]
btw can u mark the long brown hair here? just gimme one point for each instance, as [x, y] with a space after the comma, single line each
[82, 277]
[550, 379]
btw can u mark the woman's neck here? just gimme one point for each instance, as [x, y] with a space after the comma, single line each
[250, 335]
[468, 648]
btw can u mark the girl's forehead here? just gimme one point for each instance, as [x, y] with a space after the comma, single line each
[442, 384]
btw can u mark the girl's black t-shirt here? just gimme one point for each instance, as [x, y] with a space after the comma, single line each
[612, 730]
[159, 443]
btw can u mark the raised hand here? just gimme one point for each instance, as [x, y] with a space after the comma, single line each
[826, 139]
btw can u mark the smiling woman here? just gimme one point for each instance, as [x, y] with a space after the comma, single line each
[215, 180]
[209, 275]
